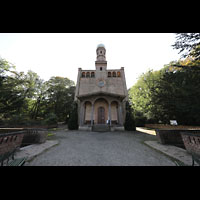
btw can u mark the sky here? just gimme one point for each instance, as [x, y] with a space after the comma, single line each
[61, 54]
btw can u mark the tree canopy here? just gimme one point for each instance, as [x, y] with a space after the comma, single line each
[170, 93]
[188, 44]
[25, 97]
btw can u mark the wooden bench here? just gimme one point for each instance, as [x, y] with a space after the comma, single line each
[9, 143]
[14, 162]
[192, 144]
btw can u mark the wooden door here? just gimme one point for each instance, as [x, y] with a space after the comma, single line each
[101, 115]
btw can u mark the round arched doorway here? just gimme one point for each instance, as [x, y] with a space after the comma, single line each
[100, 111]
[101, 115]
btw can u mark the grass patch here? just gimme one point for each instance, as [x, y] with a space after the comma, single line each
[49, 134]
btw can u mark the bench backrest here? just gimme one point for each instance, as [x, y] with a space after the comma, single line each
[10, 141]
[191, 141]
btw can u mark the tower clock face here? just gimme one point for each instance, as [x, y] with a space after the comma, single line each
[100, 83]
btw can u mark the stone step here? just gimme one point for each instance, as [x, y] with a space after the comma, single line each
[100, 128]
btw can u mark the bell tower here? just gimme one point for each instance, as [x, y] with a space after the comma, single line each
[101, 63]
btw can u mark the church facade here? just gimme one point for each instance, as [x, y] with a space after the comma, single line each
[101, 95]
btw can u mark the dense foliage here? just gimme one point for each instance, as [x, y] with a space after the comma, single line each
[129, 124]
[73, 120]
[26, 99]
[170, 93]
[188, 44]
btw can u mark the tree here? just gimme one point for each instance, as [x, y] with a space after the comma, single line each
[11, 93]
[25, 97]
[142, 97]
[36, 94]
[60, 96]
[178, 96]
[170, 93]
[188, 44]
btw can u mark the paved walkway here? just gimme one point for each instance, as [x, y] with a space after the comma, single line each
[76, 148]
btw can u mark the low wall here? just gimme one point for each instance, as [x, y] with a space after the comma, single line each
[18, 127]
[34, 136]
[30, 135]
[172, 137]
[167, 126]
[10, 130]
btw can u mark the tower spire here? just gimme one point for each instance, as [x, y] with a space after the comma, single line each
[101, 63]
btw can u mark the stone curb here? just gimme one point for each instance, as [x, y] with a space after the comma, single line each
[33, 150]
[173, 151]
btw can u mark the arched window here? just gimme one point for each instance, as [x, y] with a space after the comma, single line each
[114, 74]
[118, 74]
[109, 74]
[88, 74]
[83, 74]
[92, 74]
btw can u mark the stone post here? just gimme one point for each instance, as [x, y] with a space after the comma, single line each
[82, 115]
[120, 114]
[92, 113]
[109, 113]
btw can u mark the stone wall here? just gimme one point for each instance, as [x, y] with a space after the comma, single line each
[113, 85]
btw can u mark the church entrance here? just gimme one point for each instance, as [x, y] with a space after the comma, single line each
[100, 111]
[101, 115]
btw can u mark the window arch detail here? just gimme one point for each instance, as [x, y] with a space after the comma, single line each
[114, 74]
[87, 74]
[83, 75]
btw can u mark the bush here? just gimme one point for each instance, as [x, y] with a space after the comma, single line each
[129, 124]
[73, 118]
[140, 121]
[17, 120]
[51, 119]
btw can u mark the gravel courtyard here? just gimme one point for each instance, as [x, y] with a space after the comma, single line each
[78, 148]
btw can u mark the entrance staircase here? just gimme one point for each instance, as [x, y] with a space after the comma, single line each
[100, 128]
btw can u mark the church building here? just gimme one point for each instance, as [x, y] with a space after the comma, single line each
[101, 95]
